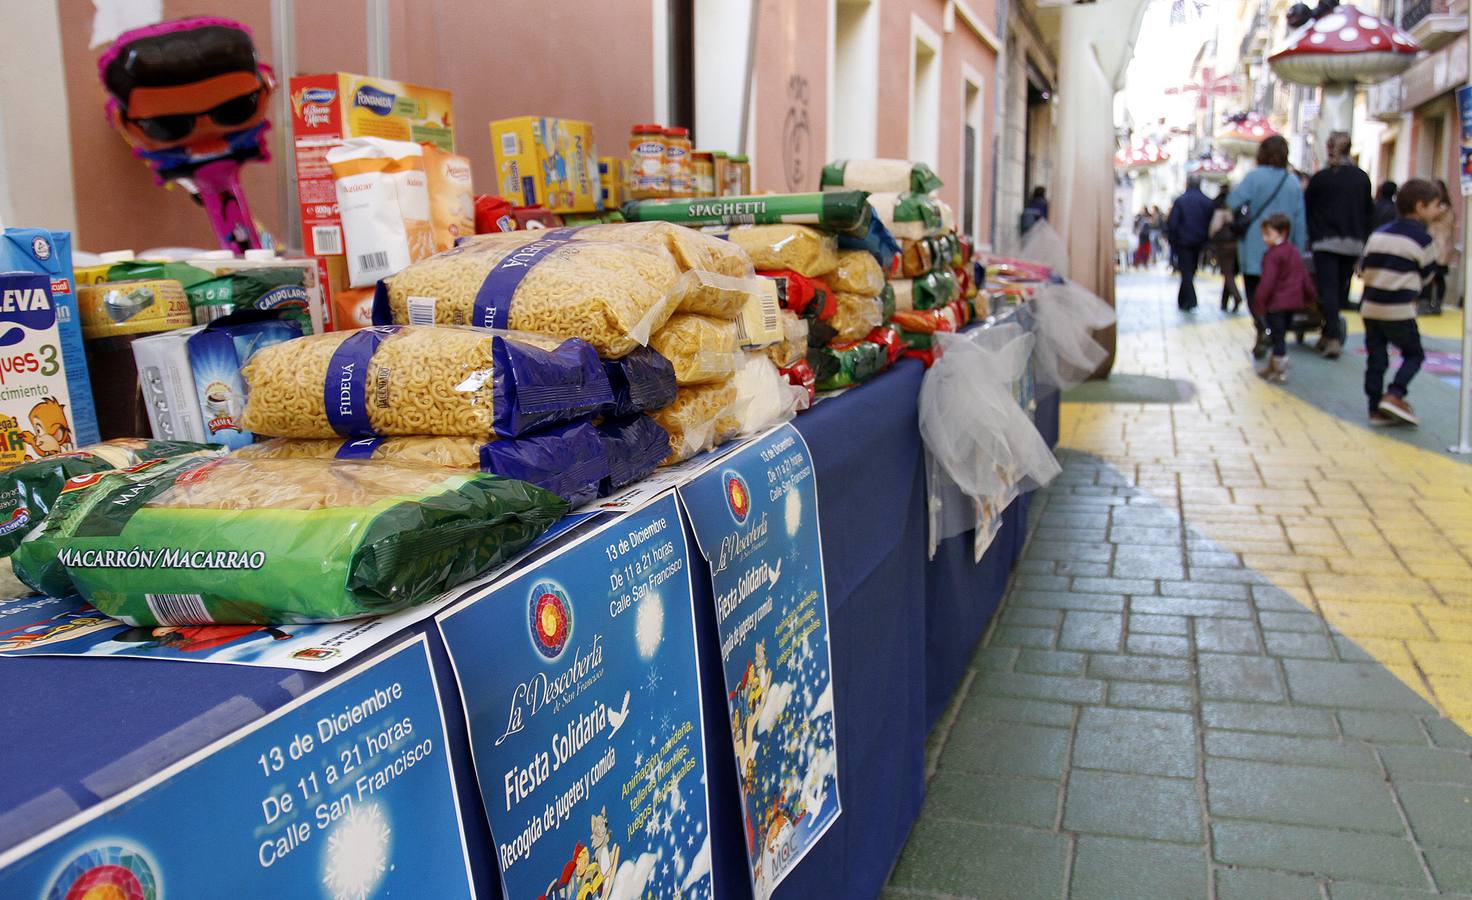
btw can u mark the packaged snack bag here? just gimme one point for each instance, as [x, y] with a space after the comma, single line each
[383, 198]
[280, 540]
[451, 199]
[268, 288]
[216, 355]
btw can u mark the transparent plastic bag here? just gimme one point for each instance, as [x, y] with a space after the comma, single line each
[982, 449]
[718, 296]
[857, 315]
[693, 250]
[804, 250]
[1065, 317]
[700, 348]
[1045, 246]
[857, 273]
[419, 380]
[693, 420]
[794, 344]
[763, 396]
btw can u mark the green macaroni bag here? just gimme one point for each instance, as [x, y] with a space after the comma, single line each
[879, 175]
[28, 490]
[234, 540]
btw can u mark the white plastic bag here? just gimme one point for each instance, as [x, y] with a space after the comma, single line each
[1065, 317]
[383, 198]
[763, 396]
[982, 449]
[1045, 246]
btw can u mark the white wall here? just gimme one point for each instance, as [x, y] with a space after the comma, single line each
[924, 93]
[853, 95]
[35, 149]
[720, 67]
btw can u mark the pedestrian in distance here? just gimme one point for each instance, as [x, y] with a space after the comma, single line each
[1224, 248]
[1143, 230]
[1188, 227]
[1341, 215]
[1399, 260]
[1036, 209]
[1443, 229]
[1269, 188]
[1284, 288]
[1385, 204]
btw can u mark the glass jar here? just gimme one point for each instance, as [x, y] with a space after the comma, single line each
[703, 173]
[647, 174]
[677, 161]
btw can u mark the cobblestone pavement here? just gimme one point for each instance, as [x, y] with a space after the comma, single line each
[1235, 660]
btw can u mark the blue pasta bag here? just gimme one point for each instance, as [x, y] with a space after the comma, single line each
[534, 387]
[641, 381]
[571, 461]
[634, 445]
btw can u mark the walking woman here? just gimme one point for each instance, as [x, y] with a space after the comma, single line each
[1224, 248]
[1144, 228]
[1269, 188]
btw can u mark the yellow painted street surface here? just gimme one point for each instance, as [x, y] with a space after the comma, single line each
[1371, 533]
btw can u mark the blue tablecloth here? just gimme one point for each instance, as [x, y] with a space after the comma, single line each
[82, 730]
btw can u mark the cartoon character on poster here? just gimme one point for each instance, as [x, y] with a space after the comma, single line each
[190, 98]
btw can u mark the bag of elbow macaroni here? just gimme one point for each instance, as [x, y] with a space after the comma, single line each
[383, 198]
[279, 541]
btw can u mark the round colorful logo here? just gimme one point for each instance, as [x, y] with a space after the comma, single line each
[108, 871]
[41, 247]
[738, 497]
[551, 619]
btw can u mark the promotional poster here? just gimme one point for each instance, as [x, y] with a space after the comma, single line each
[344, 793]
[582, 696]
[755, 515]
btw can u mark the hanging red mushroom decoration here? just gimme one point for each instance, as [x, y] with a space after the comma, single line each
[1243, 132]
[1339, 50]
[1140, 155]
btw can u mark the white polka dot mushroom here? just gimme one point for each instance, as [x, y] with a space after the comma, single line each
[1142, 154]
[1339, 51]
[1241, 133]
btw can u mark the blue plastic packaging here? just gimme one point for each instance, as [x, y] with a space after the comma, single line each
[49, 253]
[215, 357]
[571, 461]
[635, 445]
[641, 381]
[877, 240]
[534, 387]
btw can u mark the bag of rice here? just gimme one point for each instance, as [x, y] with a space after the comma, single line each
[634, 446]
[841, 365]
[567, 460]
[28, 490]
[926, 292]
[691, 420]
[700, 348]
[383, 198]
[413, 380]
[857, 315]
[879, 175]
[612, 294]
[908, 216]
[794, 344]
[641, 381]
[797, 247]
[857, 273]
[233, 540]
[451, 198]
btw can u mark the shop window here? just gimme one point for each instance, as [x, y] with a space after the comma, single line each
[924, 93]
[853, 99]
[971, 111]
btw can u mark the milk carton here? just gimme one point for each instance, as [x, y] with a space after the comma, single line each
[35, 404]
[49, 253]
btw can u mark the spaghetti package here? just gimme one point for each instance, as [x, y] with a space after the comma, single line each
[908, 216]
[842, 211]
[414, 380]
[641, 381]
[857, 272]
[857, 315]
[451, 197]
[878, 175]
[383, 198]
[700, 348]
[804, 250]
[694, 419]
[845, 364]
[235, 540]
[612, 294]
[567, 460]
[28, 490]
[634, 447]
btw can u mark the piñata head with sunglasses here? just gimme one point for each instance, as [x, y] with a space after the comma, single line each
[190, 97]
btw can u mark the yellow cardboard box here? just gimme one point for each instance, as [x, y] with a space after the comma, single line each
[613, 176]
[547, 162]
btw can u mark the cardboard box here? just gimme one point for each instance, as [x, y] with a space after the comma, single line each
[325, 109]
[547, 162]
[36, 417]
[49, 253]
[613, 179]
[133, 307]
[216, 354]
[167, 382]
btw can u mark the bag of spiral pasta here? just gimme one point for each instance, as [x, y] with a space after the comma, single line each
[393, 381]
[233, 540]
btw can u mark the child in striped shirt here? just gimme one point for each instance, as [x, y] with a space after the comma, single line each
[1399, 259]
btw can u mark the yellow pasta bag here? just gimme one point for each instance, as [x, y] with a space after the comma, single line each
[695, 418]
[700, 348]
[856, 316]
[806, 251]
[693, 250]
[392, 380]
[857, 273]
